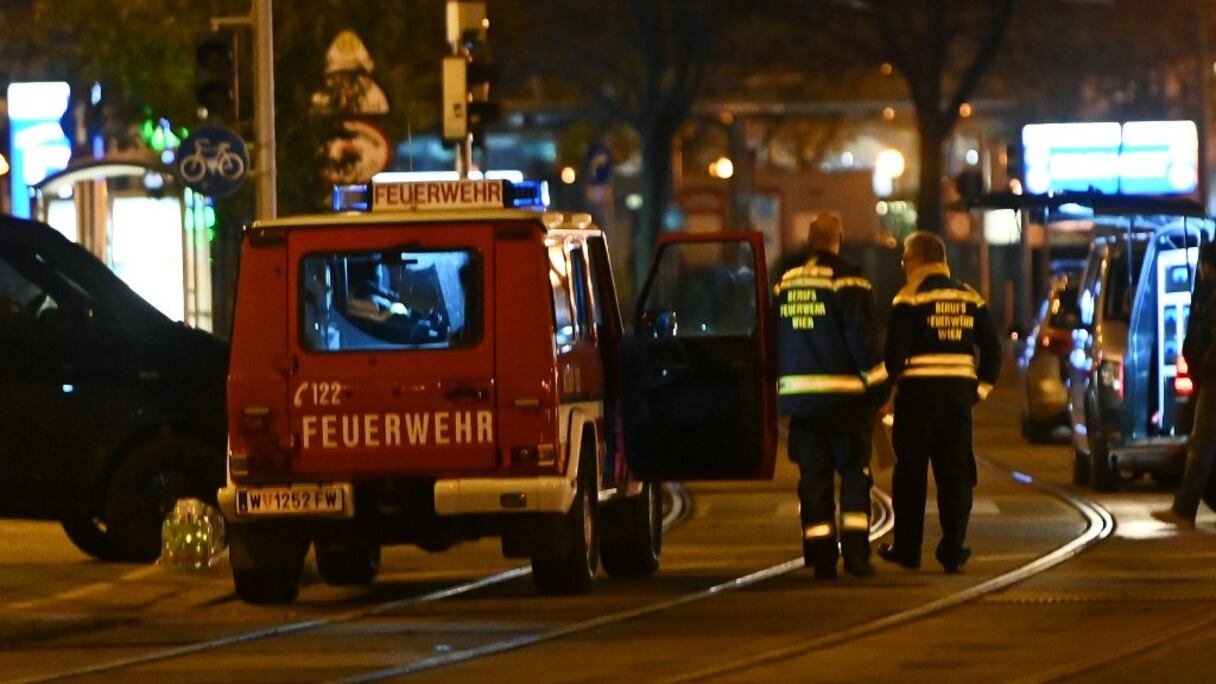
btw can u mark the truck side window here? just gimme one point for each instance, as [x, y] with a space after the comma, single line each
[583, 304]
[563, 306]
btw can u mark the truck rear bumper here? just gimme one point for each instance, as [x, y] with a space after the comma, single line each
[504, 495]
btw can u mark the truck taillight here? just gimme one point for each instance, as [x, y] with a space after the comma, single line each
[1183, 386]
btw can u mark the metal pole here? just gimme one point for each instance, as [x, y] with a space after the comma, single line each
[263, 51]
[1205, 63]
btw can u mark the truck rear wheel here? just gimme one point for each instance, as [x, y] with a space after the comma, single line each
[633, 533]
[266, 563]
[569, 565]
[348, 564]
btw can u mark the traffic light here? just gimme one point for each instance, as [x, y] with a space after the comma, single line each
[215, 76]
[467, 74]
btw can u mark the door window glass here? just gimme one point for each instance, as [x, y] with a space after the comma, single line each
[1121, 283]
[36, 297]
[703, 289]
[391, 300]
[20, 300]
[563, 307]
[581, 291]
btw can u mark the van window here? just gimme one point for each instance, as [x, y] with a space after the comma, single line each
[1120, 291]
[391, 300]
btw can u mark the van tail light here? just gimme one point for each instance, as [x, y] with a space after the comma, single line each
[1058, 342]
[1183, 386]
[1110, 374]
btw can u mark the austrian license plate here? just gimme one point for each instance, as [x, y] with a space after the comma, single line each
[292, 500]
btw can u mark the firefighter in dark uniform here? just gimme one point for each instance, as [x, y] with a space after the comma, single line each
[831, 379]
[944, 355]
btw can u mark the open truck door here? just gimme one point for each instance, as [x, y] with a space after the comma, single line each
[698, 386]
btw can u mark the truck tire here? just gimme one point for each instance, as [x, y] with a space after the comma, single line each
[1080, 468]
[633, 533]
[568, 566]
[267, 586]
[87, 533]
[148, 484]
[348, 564]
[266, 563]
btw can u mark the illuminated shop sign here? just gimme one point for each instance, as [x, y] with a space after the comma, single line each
[39, 147]
[1133, 158]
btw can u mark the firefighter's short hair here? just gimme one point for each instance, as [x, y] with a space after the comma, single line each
[825, 231]
[926, 246]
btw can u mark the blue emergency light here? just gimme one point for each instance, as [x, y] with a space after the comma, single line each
[442, 194]
[355, 197]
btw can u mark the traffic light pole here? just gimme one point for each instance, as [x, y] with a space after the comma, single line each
[261, 21]
[263, 107]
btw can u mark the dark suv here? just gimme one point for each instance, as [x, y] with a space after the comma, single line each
[109, 412]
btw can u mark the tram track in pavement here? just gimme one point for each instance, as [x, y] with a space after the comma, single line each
[681, 510]
[1100, 524]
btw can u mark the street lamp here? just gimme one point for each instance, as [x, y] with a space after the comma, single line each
[722, 167]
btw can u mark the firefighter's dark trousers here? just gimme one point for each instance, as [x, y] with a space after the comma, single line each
[824, 445]
[933, 425]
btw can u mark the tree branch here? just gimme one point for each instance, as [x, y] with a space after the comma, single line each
[988, 50]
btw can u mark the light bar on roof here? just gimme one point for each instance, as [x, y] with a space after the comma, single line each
[441, 195]
[414, 176]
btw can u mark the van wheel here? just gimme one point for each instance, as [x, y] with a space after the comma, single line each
[569, 566]
[148, 484]
[633, 534]
[1037, 432]
[87, 533]
[1080, 468]
[1103, 475]
[266, 563]
[348, 564]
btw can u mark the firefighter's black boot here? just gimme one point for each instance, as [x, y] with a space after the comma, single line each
[855, 547]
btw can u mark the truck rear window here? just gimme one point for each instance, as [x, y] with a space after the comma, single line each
[390, 300]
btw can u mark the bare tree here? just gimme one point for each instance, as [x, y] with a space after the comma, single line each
[941, 48]
[639, 62]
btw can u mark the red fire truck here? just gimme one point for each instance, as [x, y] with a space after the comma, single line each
[442, 361]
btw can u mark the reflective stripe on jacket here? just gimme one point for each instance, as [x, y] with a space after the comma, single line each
[828, 350]
[941, 329]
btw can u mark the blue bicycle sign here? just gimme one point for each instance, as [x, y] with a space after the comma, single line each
[213, 161]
